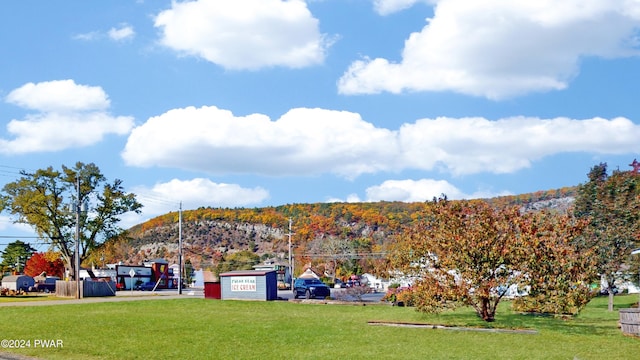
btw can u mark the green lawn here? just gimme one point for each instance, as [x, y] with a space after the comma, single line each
[213, 329]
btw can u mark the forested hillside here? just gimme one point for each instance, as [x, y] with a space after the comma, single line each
[354, 234]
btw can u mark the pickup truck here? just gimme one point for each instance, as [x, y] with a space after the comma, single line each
[47, 286]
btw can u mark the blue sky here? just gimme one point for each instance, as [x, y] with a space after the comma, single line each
[252, 103]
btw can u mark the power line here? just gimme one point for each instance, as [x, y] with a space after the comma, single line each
[157, 199]
[28, 243]
[347, 255]
[20, 236]
[11, 171]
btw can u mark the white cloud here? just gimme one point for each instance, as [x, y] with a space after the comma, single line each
[303, 141]
[195, 193]
[412, 190]
[421, 190]
[7, 224]
[244, 34]
[89, 36]
[124, 32]
[69, 116]
[59, 96]
[316, 141]
[386, 7]
[499, 49]
[415, 191]
[476, 145]
[121, 33]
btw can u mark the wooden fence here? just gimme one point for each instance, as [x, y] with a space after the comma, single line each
[87, 288]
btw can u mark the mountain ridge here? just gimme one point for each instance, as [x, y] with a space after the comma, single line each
[210, 234]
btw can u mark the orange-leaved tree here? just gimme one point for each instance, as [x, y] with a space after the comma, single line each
[49, 263]
[557, 273]
[462, 253]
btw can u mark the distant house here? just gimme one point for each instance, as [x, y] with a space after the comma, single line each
[308, 273]
[18, 282]
[374, 282]
[622, 284]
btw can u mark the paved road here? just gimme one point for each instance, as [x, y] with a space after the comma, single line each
[120, 296]
[170, 294]
[339, 294]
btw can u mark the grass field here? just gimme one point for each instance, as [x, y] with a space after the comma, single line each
[212, 329]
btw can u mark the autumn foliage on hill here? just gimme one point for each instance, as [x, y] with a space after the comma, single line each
[212, 232]
[358, 233]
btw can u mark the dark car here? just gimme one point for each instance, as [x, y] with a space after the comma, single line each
[310, 288]
[47, 285]
[148, 286]
[44, 287]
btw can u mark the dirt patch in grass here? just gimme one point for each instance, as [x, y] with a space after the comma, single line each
[448, 327]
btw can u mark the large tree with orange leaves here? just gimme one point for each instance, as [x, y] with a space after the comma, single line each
[471, 253]
[463, 253]
[557, 273]
[48, 263]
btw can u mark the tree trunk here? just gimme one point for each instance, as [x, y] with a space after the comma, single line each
[487, 313]
[610, 308]
[70, 271]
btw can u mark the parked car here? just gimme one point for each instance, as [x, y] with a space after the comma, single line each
[44, 287]
[47, 285]
[353, 283]
[148, 286]
[310, 288]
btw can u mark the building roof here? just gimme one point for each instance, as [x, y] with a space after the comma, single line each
[309, 274]
[246, 273]
[14, 278]
[156, 261]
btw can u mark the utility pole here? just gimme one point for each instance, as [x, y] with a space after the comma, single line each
[180, 250]
[76, 253]
[290, 254]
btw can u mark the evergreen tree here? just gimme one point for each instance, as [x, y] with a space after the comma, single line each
[15, 256]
